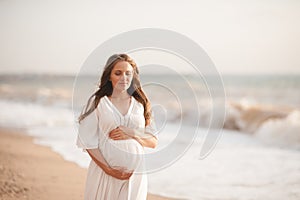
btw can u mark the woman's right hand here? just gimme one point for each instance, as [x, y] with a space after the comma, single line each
[118, 134]
[118, 172]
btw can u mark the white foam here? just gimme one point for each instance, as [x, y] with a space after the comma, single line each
[240, 167]
[26, 114]
[282, 132]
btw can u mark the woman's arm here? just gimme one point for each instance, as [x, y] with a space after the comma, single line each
[124, 133]
[117, 172]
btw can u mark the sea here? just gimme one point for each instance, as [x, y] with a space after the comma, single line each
[252, 120]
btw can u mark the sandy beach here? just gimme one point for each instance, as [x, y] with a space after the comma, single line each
[30, 171]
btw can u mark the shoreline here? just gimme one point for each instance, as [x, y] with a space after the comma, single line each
[32, 171]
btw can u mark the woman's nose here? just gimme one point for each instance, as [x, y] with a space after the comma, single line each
[123, 76]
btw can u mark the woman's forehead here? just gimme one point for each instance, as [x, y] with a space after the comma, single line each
[123, 66]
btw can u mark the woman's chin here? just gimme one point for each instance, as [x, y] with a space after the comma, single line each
[122, 87]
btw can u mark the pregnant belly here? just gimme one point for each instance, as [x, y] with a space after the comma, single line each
[123, 153]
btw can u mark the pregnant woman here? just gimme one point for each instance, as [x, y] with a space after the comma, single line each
[113, 128]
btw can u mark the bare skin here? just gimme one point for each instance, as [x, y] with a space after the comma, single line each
[121, 77]
[124, 133]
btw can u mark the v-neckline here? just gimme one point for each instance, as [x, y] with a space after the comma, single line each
[117, 110]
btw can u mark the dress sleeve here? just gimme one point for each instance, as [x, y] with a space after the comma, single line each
[151, 127]
[88, 132]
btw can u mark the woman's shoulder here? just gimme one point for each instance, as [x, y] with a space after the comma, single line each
[101, 102]
[138, 104]
[102, 98]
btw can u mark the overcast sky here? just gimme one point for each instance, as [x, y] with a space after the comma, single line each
[254, 36]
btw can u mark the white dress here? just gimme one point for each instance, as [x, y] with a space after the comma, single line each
[93, 133]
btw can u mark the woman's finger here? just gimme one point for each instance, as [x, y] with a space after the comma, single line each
[121, 173]
[116, 132]
[113, 132]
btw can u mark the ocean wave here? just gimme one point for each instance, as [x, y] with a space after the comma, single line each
[34, 94]
[284, 132]
[277, 125]
[248, 118]
[25, 115]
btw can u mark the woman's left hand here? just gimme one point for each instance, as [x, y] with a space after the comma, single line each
[119, 133]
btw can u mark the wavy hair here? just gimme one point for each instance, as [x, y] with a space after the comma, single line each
[105, 88]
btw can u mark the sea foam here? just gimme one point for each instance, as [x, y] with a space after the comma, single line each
[284, 132]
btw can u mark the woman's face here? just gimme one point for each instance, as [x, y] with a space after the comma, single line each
[121, 75]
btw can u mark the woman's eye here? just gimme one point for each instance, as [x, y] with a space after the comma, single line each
[128, 73]
[117, 74]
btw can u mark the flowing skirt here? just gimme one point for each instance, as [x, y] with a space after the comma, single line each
[124, 153]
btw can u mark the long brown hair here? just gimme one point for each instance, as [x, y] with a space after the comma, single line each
[105, 88]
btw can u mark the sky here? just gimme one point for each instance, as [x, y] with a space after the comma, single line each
[241, 37]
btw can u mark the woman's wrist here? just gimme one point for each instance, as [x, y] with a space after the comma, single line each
[128, 131]
[107, 169]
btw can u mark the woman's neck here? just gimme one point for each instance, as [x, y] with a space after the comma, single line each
[120, 94]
